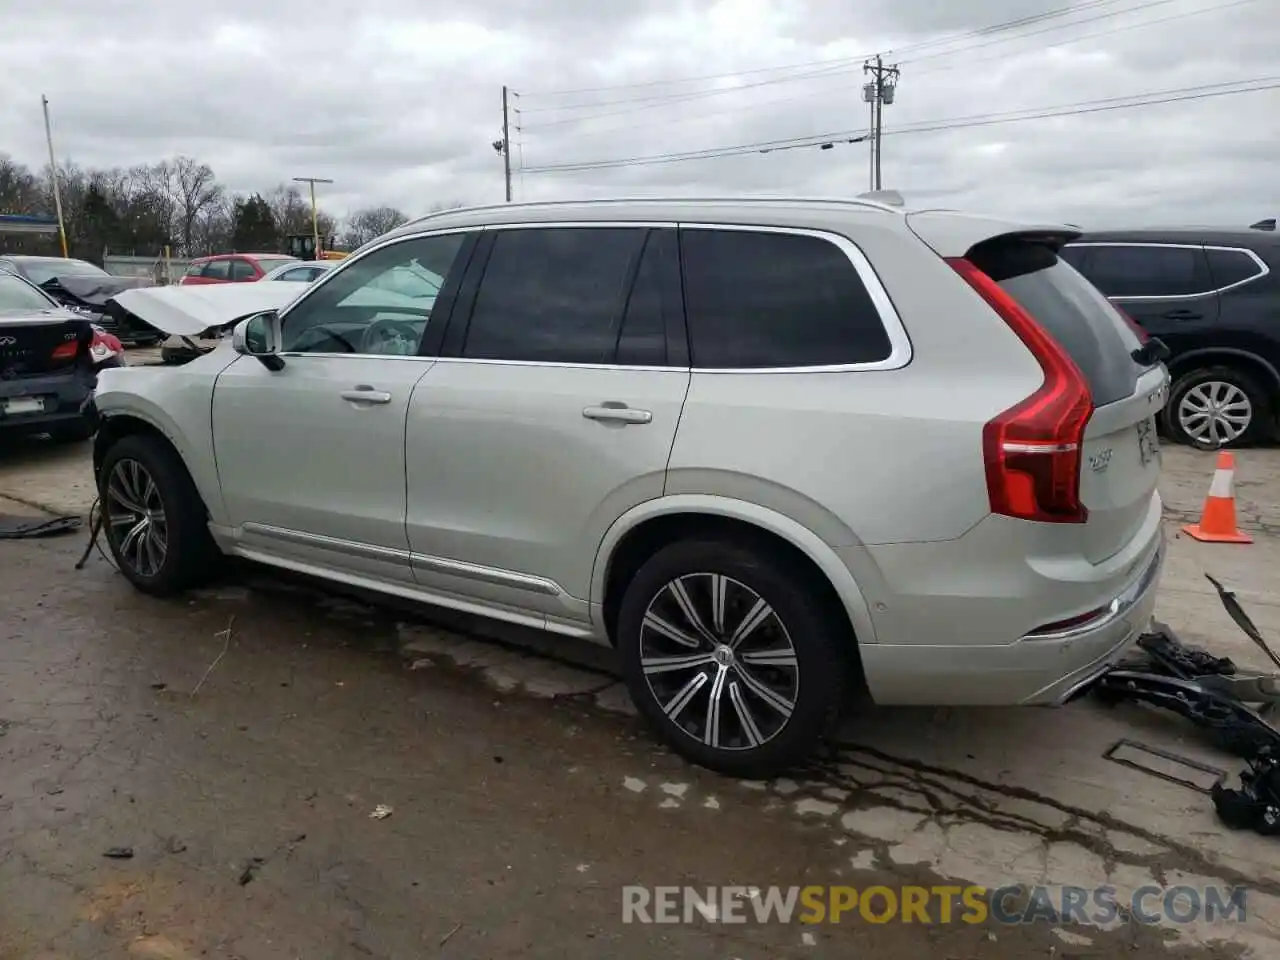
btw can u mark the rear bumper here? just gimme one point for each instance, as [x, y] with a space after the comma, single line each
[60, 397]
[1036, 669]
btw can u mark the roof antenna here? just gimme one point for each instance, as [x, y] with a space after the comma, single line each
[891, 197]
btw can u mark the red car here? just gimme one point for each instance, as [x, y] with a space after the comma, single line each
[232, 267]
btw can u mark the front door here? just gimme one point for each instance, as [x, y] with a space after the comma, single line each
[557, 415]
[311, 457]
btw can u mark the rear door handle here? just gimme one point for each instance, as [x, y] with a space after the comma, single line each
[617, 413]
[1183, 315]
[366, 394]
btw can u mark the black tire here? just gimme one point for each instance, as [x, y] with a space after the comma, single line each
[190, 556]
[1261, 422]
[808, 624]
[75, 431]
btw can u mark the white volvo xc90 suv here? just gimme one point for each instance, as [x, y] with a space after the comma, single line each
[777, 452]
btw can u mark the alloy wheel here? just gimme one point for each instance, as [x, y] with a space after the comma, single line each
[135, 518]
[719, 661]
[1215, 412]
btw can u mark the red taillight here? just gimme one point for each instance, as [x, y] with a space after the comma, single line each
[1138, 332]
[66, 351]
[1032, 450]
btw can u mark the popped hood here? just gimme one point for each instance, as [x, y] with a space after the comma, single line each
[189, 311]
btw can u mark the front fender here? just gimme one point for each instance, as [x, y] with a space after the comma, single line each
[177, 402]
[800, 537]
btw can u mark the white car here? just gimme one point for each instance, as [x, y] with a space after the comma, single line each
[308, 271]
[778, 452]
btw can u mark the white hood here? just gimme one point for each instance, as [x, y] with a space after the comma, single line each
[188, 311]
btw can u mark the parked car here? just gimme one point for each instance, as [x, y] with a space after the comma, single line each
[779, 453]
[232, 268]
[49, 359]
[1213, 297]
[85, 288]
[305, 272]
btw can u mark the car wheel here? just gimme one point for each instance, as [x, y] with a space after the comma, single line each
[153, 517]
[77, 431]
[1217, 407]
[731, 657]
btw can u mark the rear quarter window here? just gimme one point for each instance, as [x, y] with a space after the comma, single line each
[756, 299]
[1071, 309]
[1229, 267]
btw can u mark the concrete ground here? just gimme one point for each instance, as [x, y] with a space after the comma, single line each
[237, 741]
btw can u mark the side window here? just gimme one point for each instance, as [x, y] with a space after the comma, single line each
[553, 294]
[195, 269]
[217, 270]
[1076, 256]
[756, 299]
[242, 270]
[642, 341]
[1134, 271]
[367, 308]
[1230, 267]
[300, 275]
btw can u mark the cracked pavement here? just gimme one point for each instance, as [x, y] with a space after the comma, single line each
[523, 792]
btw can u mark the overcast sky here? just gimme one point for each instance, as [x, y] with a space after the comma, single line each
[399, 101]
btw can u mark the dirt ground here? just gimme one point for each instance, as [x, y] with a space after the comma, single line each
[237, 741]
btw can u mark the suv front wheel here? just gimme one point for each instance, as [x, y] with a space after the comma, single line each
[153, 517]
[731, 656]
[1217, 407]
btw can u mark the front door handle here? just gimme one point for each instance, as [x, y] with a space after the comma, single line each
[610, 412]
[1183, 315]
[366, 394]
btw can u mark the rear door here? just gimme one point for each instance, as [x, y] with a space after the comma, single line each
[1167, 289]
[552, 412]
[1120, 465]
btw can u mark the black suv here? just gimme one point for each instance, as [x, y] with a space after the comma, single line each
[1213, 297]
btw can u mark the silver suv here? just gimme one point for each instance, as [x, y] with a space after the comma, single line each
[779, 453]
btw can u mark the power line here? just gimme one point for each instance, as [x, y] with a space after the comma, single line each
[1178, 95]
[979, 31]
[688, 118]
[844, 65]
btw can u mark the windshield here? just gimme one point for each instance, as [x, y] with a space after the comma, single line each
[42, 271]
[17, 295]
[270, 263]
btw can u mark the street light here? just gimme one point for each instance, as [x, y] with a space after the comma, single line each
[315, 220]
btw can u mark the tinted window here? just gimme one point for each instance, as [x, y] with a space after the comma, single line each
[1075, 256]
[195, 269]
[643, 339]
[361, 311]
[553, 295]
[775, 300]
[1231, 266]
[217, 269]
[242, 270]
[1078, 316]
[1124, 271]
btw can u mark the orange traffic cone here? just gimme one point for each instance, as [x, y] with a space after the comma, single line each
[1218, 519]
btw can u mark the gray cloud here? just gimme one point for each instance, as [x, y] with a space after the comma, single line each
[398, 101]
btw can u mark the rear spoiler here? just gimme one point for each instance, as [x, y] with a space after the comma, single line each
[954, 235]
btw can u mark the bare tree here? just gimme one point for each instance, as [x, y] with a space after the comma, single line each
[364, 225]
[196, 190]
[19, 187]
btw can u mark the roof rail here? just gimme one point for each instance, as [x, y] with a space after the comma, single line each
[878, 201]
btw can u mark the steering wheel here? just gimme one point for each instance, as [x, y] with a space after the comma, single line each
[317, 333]
[386, 330]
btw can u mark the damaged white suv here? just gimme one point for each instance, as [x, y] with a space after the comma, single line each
[779, 453]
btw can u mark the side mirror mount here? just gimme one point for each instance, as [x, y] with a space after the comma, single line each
[259, 336]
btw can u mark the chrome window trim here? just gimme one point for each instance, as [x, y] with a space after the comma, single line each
[900, 352]
[1263, 269]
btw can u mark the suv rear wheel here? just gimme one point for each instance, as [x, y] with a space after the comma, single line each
[1217, 407]
[731, 657]
[153, 517]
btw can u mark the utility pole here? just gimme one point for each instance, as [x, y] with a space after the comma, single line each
[53, 172]
[315, 217]
[503, 146]
[878, 92]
